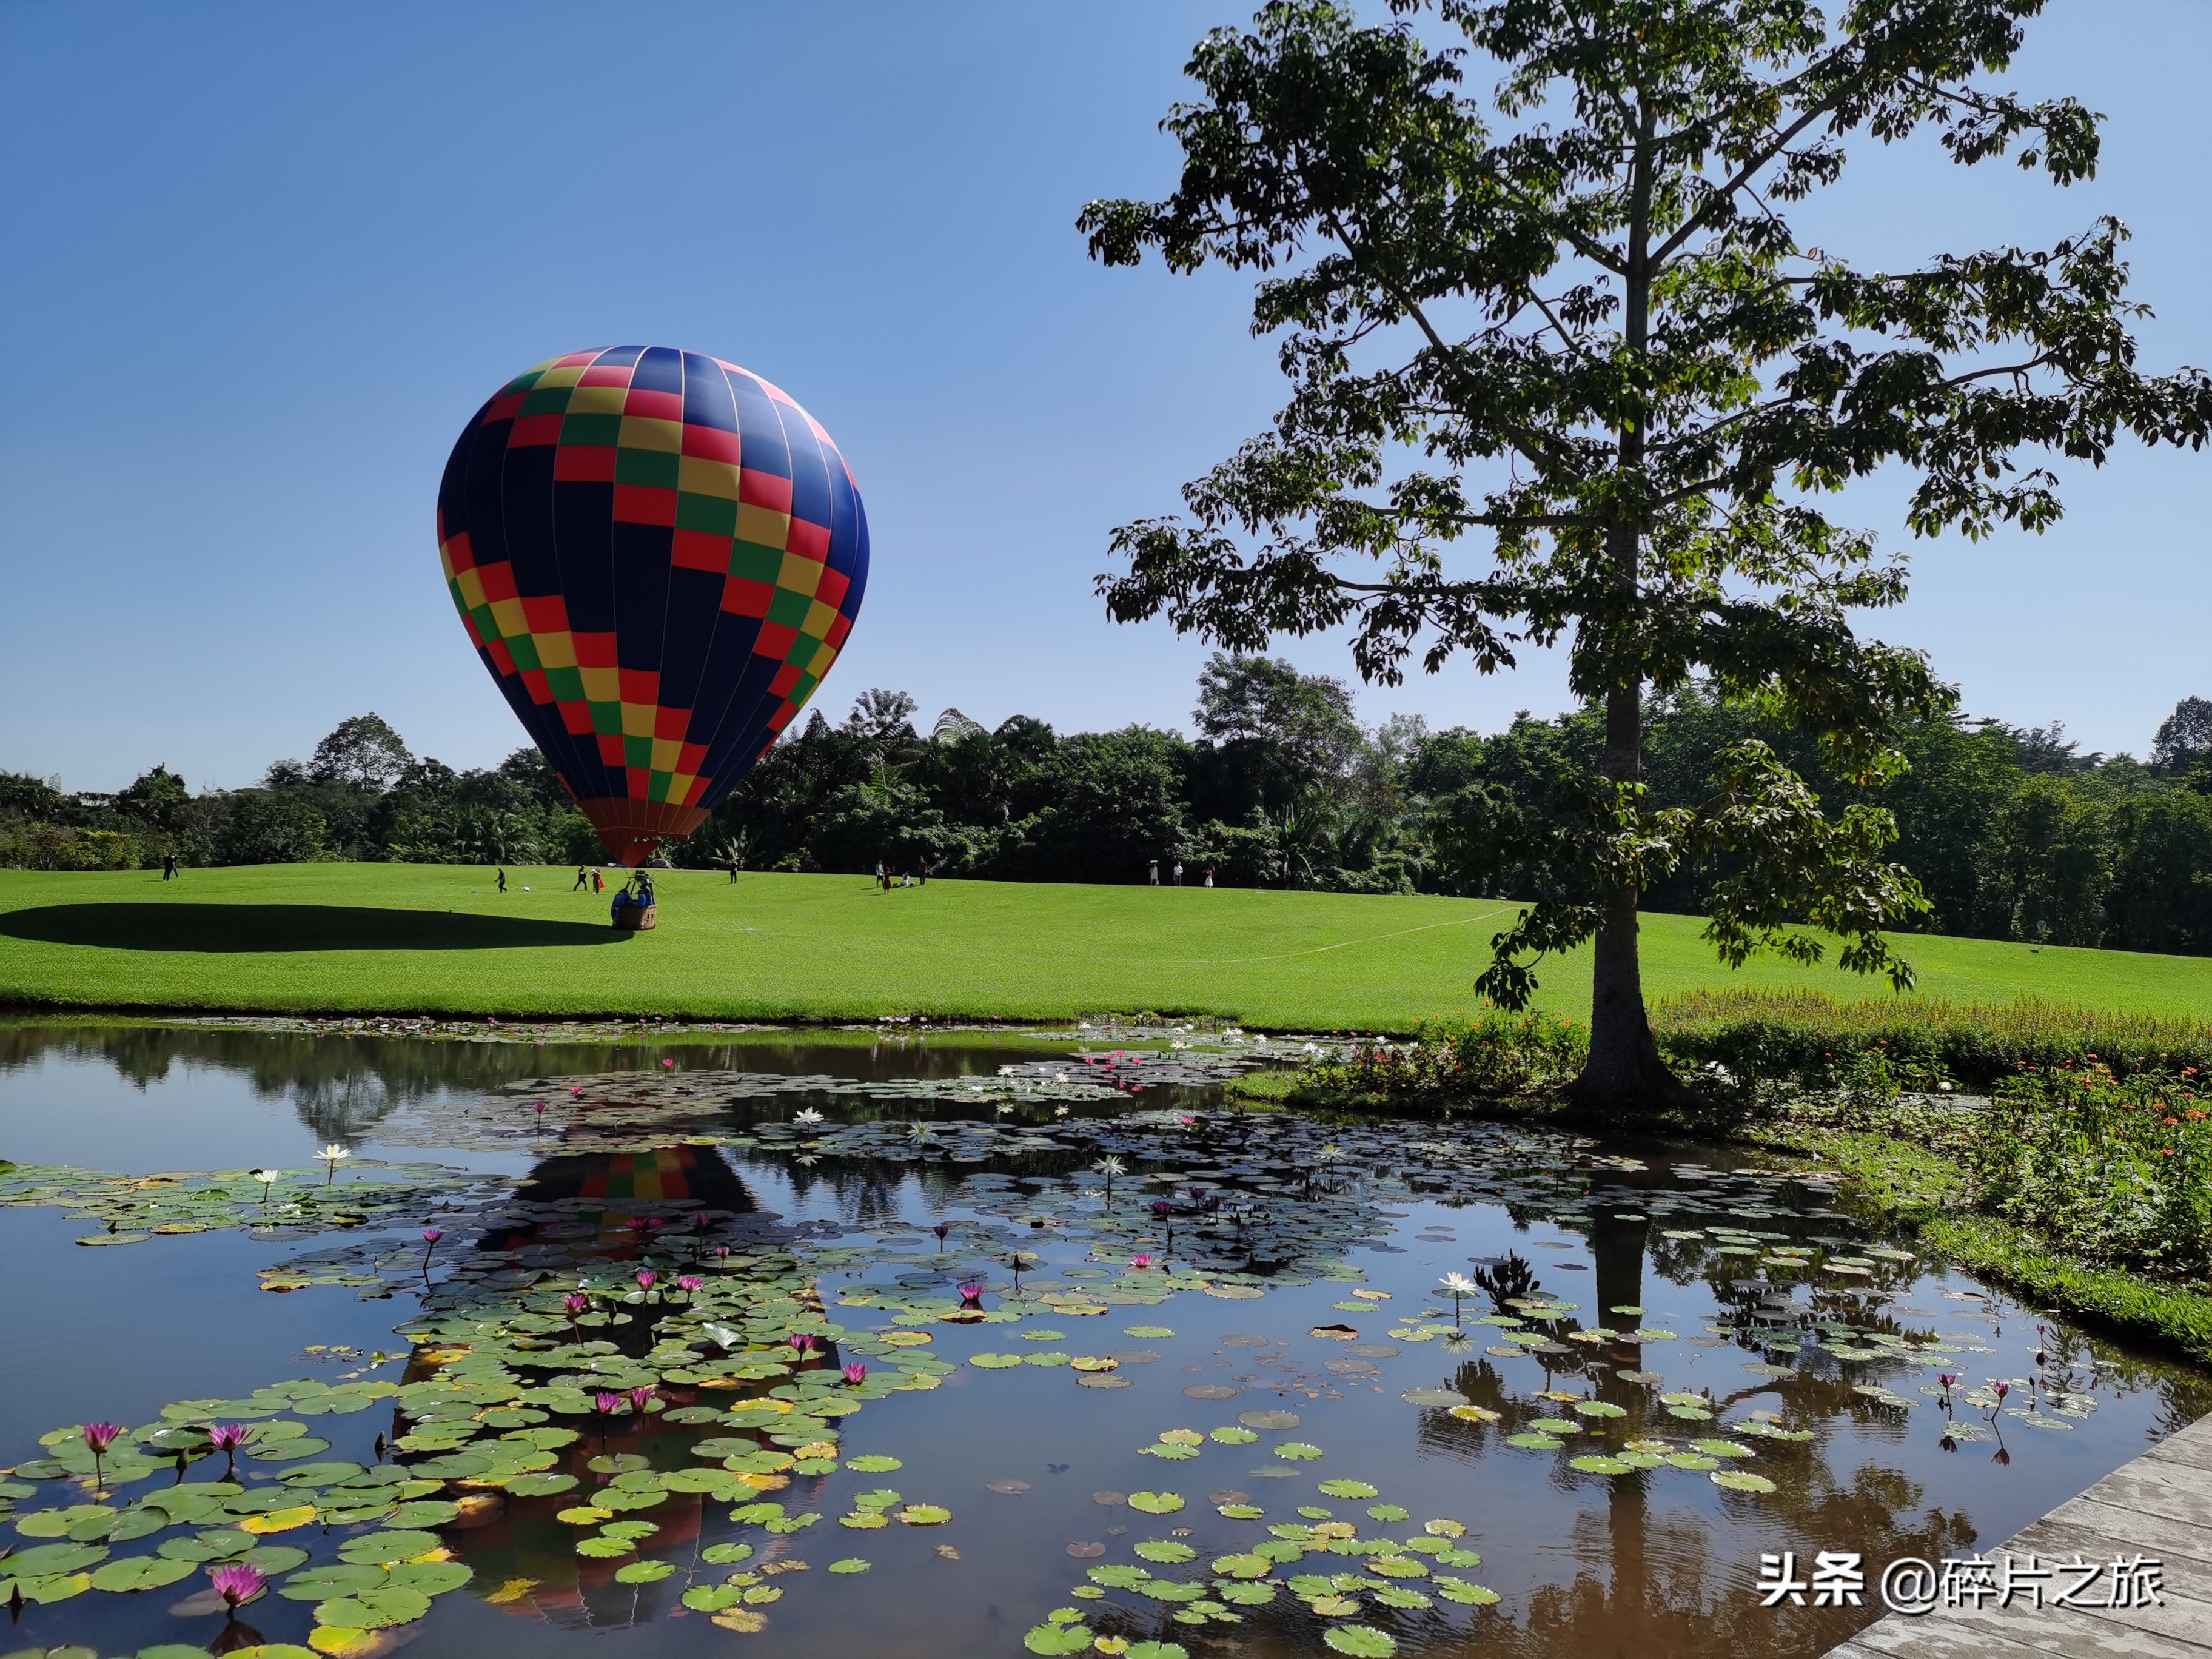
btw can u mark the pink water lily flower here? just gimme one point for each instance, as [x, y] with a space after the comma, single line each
[640, 1400]
[802, 1341]
[646, 1279]
[856, 1373]
[1142, 1259]
[432, 1234]
[971, 1296]
[691, 1282]
[606, 1402]
[576, 1303]
[237, 1582]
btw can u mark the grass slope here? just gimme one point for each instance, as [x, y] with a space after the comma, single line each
[337, 937]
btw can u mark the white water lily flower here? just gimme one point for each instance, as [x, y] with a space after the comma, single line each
[807, 1119]
[1460, 1285]
[333, 1152]
[1110, 1165]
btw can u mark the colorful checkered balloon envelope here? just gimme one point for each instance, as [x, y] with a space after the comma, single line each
[658, 556]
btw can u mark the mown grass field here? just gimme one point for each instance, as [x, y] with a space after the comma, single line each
[385, 938]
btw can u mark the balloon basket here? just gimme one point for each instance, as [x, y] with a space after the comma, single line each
[634, 917]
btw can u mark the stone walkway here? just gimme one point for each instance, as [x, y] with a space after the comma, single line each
[2159, 1506]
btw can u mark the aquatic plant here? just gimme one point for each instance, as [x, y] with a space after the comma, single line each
[237, 1582]
[99, 1436]
[331, 1156]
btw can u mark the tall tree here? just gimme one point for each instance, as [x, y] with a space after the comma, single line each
[363, 752]
[1587, 339]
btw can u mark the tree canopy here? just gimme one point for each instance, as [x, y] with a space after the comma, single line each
[1561, 372]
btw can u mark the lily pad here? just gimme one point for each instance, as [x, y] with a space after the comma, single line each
[1297, 1451]
[1741, 1480]
[1156, 1503]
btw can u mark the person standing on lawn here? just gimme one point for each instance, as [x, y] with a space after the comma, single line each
[502, 881]
[583, 879]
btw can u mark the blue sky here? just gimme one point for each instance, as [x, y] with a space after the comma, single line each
[262, 261]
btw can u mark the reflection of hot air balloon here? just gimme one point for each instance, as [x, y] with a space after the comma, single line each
[658, 556]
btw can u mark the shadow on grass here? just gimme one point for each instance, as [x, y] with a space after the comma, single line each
[227, 928]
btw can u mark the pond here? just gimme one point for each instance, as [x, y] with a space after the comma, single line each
[951, 1343]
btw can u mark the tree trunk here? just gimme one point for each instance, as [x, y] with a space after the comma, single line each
[1623, 1072]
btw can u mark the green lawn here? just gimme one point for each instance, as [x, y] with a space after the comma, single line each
[415, 939]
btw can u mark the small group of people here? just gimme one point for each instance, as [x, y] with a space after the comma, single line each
[170, 868]
[887, 877]
[1155, 873]
[586, 877]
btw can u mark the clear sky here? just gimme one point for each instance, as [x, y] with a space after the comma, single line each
[262, 261]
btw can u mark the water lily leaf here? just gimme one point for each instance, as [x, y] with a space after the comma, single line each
[1269, 1420]
[1467, 1594]
[1233, 1437]
[334, 1640]
[1149, 1333]
[643, 1572]
[1160, 1550]
[850, 1564]
[1692, 1460]
[1000, 1362]
[873, 1464]
[1721, 1448]
[51, 1560]
[137, 1572]
[1598, 1408]
[1595, 1464]
[388, 1546]
[1156, 1503]
[723, 1555]
[924, 1515]
[1534, 1441]
[1741, 1480]
[1347, 1489]
[1392, 1513]
[1057, 1638]
[1173, 1454]
[601, 1548]
[1297, 1451]
[374, 1609]
[328, 1583]
[432, 1577]
[422, 1513]
[1118, 1577]
[1361, 1641]
[1155, 1650]
[284, 1451]
[539, 1485]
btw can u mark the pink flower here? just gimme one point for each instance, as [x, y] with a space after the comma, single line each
[227, 1436]
[605, 1400]
[576, 1303]
[101, 1436]
[1142, 1259]
[856, 1373]
[640, 1400]
[667, 1063]
[577, 1090]
[432, 1234]
[802, 1341]
[691, 1282]
[237, 1582]
[1946, 1378]
[646, 1279]
[2001, 1390]
[971, 1296]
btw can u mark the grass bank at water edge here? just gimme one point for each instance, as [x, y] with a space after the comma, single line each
[410, 939]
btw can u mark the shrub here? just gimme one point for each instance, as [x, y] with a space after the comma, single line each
[1813, 1038]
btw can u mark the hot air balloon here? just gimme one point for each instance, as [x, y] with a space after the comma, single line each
[657, 554]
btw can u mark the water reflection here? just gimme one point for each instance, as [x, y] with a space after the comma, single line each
[1644, 1561]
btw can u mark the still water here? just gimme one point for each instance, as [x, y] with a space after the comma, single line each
[1128, 1358]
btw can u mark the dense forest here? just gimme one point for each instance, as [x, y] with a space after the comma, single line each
[2013, 833]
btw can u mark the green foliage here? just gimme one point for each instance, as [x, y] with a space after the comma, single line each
[1920, 1043]
[2111, 1170]
[1629, 383]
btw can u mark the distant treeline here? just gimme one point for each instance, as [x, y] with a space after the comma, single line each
[2014, 833]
